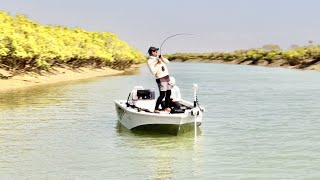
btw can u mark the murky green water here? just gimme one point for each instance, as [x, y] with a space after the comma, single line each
[260, 123]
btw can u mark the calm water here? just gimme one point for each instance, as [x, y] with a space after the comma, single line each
[260, 123]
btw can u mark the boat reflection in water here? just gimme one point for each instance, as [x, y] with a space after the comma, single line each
[162, 154]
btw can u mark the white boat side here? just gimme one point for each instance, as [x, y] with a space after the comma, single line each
[133, 117]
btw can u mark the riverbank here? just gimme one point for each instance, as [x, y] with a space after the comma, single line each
[26, 46]
[307, 57]
[55, 75]
[304, 65]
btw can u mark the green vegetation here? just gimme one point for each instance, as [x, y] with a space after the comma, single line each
[28, 46]
[300, 57]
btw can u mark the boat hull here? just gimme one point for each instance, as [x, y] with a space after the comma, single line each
[136, 120]
[172, 129]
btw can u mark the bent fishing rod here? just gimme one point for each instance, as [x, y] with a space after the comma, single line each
[179, 34]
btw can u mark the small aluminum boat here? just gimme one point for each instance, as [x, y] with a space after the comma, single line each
[137, 113]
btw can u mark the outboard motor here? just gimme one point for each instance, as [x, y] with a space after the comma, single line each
[139, 93]
[145, 94]
[143, 98]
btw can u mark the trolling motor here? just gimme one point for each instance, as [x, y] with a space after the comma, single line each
[195, 98]
[196, 110]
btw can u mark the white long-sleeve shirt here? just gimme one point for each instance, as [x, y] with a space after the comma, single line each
[158, 69]
[175, 93]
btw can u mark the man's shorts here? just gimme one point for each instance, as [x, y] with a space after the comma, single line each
[163, 83]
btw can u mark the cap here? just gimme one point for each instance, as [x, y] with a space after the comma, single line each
[151, 49]
[172, 81]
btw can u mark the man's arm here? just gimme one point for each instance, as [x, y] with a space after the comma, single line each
[164, 60]
[153, 66]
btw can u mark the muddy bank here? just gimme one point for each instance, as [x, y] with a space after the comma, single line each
[10, 82]
[309, 64]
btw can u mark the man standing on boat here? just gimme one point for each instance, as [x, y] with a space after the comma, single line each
[157, 66]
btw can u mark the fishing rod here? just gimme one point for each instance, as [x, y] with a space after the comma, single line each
[179, 34]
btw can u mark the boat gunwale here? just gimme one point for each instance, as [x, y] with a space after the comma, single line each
[178, 115]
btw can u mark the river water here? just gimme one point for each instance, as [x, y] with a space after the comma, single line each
[260, 123]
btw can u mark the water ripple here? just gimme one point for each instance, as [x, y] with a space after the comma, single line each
[260, 123]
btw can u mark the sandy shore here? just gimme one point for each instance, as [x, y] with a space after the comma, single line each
[56, 75]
